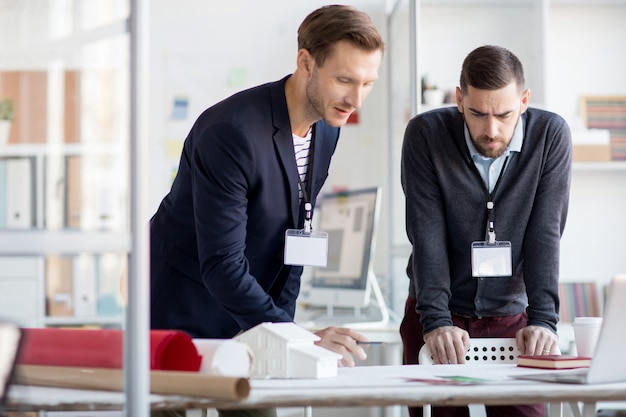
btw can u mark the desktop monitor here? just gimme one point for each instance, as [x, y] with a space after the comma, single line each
[350, 218]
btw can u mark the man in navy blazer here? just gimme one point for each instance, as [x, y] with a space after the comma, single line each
[217, 238]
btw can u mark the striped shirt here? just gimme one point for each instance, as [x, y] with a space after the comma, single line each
[301, 146]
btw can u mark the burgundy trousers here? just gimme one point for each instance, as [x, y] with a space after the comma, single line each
[507, 326]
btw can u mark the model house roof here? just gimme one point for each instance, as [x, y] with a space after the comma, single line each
[289, 332]
[285, 350]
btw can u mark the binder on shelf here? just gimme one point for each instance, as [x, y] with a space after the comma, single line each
[73, 196]
[3, 193]
[72, 106]
[20, 193]
[59, 286]
[85, 286]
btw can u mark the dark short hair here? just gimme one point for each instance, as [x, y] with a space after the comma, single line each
[491, 67]
[323, 28]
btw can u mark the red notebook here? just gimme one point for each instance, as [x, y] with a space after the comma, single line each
[170, 350]
[553, 361]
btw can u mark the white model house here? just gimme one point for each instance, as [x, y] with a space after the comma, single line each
[285, 350]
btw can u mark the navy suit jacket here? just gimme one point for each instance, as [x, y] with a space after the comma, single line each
[217, 238]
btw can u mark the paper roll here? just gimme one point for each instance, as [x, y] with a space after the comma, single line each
[170, 350]
[161, 382]
[225, 357]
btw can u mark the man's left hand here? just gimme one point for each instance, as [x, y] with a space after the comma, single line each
[537, 340]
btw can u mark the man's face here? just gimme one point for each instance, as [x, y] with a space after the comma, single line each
[492, 115]
[338, 88]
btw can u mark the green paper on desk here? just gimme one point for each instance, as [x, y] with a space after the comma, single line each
[451, 380]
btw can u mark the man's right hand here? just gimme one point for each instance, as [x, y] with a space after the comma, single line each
[343, 341]
[448, 344]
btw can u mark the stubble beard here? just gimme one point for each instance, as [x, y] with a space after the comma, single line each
[488, 152]
[314, 110]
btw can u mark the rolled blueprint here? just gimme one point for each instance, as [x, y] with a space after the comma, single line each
[224, 357]
[161, 382]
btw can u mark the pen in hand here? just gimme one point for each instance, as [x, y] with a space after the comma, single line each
[358, 342]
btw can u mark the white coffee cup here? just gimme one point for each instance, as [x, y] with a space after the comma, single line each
[586, 333]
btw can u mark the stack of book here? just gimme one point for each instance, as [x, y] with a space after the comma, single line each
[553, 361]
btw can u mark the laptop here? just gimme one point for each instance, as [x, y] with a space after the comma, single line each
[607, 364]
[10, 337]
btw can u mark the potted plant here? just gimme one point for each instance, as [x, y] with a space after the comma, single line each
[7, 109]
[7, 114]
[431, 95]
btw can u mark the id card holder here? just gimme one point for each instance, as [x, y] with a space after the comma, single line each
[492, 259]
[306, 248]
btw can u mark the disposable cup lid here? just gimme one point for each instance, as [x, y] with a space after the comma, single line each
[587, 320]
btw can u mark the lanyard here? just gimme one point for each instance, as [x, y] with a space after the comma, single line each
[307, 194]
[491, 233]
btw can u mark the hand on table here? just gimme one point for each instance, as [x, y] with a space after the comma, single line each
[447, 344]
[343, 341]
[537, 340]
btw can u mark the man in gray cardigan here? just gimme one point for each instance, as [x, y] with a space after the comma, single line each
[486, 181]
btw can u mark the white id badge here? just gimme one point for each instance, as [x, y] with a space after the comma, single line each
[492, 260]
[302, 248]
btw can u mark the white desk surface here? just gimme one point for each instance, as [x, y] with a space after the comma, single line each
[359, 386]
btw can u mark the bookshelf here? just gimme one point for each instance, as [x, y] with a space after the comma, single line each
[63, 224]
[64, 199]
[607, 112]
[579, 299]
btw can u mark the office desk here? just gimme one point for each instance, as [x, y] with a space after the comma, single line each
[359, 386]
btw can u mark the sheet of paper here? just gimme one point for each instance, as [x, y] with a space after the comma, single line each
[391, 376]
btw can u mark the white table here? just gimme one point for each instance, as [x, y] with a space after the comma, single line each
[359, 386]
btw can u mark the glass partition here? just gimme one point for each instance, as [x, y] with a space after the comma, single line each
[64, 140]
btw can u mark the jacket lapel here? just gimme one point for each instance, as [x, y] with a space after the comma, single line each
[283, 143]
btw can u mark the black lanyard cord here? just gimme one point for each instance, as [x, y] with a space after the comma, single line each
[491, 233]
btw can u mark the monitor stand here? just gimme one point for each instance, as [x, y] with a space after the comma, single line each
[379, 303]
[359, 320]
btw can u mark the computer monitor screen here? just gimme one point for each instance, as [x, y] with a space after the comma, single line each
[350, 218]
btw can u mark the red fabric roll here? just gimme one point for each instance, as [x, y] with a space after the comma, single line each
[170, 350]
